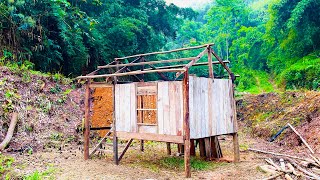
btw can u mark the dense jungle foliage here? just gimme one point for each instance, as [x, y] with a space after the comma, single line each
[271, 43]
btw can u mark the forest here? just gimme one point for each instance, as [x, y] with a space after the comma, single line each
[271, 44]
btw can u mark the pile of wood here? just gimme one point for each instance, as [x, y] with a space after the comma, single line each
[292, 169]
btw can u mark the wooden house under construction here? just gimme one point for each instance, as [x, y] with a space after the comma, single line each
[179, 110]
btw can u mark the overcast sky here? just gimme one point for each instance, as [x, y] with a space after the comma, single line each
[188, 3]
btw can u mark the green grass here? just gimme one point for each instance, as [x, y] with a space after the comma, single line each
[177, 163]
[253, 81]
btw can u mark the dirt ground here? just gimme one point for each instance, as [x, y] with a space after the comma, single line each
[69, 164]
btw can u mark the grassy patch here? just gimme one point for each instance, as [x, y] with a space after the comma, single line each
[6, 170]
[177, 163]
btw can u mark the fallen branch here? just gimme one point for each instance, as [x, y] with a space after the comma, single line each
[9, 135]
[304, 141]
[276, 154]
[315, 159]
[303, 170]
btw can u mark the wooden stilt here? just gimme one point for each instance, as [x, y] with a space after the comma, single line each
[168, 149]
[207, 144]
[192, 148]
[215, 147]
[202, 148]
[186, 126]
[115, 150]
[236, 147]
[86, 120]
[141, 145]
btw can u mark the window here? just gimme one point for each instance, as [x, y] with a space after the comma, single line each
[147, 104]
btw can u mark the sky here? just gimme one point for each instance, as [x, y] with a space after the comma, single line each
[189, 3]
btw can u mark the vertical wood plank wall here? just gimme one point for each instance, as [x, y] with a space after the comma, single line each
[125, 106]
[211, 108]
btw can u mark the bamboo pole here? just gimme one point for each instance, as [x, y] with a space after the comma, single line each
[186, 125]
[165, 52]
[86, 120]
[302, 139]
[130, 73]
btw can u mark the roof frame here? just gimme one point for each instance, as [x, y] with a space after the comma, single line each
[179, 68]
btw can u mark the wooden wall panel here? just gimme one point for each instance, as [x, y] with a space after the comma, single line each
[170, 109]
[211, 108]
[126, 108]
[192, 118]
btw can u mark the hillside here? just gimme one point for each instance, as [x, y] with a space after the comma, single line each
[48, 106]
[262, 116]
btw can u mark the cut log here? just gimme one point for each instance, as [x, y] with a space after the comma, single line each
[282, 165]
[9, 135]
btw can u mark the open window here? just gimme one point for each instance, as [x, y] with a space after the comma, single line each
[147, 104]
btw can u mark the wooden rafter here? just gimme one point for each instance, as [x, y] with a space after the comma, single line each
[165, 52]
[186, 67]
[148, 62]
[129, 73]
[221, 61]
[183, 65]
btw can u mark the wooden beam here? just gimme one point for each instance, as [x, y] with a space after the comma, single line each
[100, 85]
[151, 137]
[100, 142]
[148, 62]
[221, 61]
[130, 73]
[183, 65]
[164, 52]
[141, 145]
[125, 149]
[186, 125]
[211, 74]
[163, 77]
[119, 70]
[86, 120]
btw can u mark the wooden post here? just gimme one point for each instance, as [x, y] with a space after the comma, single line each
[202, 148]
[211, 75]
[115, 138]
[141, 145]
[207, 145]
[186, 126]
[192, 148]
[86, 120]
[236, 147]
[168, 148]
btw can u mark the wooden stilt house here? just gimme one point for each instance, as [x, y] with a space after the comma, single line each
[173, 110]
